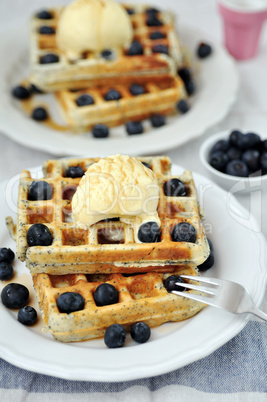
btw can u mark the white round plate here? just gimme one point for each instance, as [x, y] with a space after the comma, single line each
[217, 83]
[240, 252]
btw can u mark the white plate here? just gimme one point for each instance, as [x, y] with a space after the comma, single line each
[217, 84]
[240, 252]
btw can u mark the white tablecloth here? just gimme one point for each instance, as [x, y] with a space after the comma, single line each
[237, 371]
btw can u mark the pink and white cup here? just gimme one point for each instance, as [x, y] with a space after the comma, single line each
[243, 20]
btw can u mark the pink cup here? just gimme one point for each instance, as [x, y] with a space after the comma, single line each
[242, 30]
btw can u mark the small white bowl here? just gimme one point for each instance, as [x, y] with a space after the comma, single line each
[234, 184]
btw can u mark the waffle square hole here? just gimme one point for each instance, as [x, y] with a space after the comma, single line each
[110, 235]
[68, 192]
[74, 237]
[40, 214]
[141, 287]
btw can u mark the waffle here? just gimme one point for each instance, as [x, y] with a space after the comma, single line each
[159, 97]
[92, 69]
[142, 297]
[106, 247]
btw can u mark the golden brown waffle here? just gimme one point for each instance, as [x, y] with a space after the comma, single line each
[159, 97]
[106, 247]
[93, 69]
[142, 297]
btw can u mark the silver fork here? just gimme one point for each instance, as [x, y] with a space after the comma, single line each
[220, 293]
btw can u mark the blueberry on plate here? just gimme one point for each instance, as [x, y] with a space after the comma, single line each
[46, 30]
[218, 160]
[137, 89]
[39, 235]
[20, 92]
[204, 50]
[106, 294]
[170, 283]
[6, 271]
[184, 231]
[140, 332]
[27, 315]
[160, 48]
[135, 49]
[149, 232]
[69, 302]
[174, 188]
[182, 106]
[157, 35]
[6, 255]
[235, 137]
[44, 15]
[158, 120]
[251, 157]
[221, 145]
[39, 114]
[237, 168]
[100, 131]
[40, 190]
[74, 171]
[85, 100]
[15, 295]
[115, 336]
[107, 54]
[134, 127]
[49, 58]
[209, 262]
[112, 95]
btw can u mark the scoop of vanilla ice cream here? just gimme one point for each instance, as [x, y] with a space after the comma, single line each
[93, 25]
[117, 186]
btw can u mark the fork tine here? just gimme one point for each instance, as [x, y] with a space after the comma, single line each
[193, 296]
[201, 289]
[206, 280]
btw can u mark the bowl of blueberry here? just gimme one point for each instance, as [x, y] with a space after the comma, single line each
[236, 160]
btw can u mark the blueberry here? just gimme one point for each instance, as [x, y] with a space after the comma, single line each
[158, 120]
[49, 58]
[115, 336]
[20, 92]
[134, 127]
[27, 315]
[74, 171]
[263, 162]
[250, 140]
[234, 153]
[264, 146]
[182, 106]
[152, 10]
[237, 167]
[153, 21]
[190, 87]
[39, 114]
[100, 131]
[185, 74]
[218, 160]
[39, 235]
[157, 35]
[137, 89]
[174, 188]
[146, 165]
[160, 49]
[6, 255]
[44, 15]
[204, 50]
[46, 30]
[107, 54]
[35, 89]
[112, 95]
[221, 145]
[208, 263]
[135, 49]
[15, 295]
[251, 157]
[85, 100]
[149, 232]
[170, 283]
[6, 271]
[235, 137]
[140, 332]
[184, 231]
[40, 190]
[69, 302]
[210, 245]
[130, 11]
[106, 294]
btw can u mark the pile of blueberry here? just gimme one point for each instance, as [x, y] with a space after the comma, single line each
[240, 154]
[15, 295]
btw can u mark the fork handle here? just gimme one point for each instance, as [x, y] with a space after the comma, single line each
[258, 313]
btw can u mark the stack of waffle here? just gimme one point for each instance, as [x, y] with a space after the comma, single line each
[80, 259]
[95, 73]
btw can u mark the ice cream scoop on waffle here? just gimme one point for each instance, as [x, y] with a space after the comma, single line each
[124, 217]
[93, 42]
